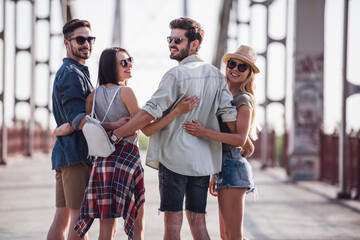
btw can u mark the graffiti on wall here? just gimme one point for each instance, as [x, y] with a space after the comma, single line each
[304, 167]
[308, 116]
[309, 65]
[308, 100]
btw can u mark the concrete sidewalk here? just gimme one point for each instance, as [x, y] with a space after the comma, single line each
[284, 211]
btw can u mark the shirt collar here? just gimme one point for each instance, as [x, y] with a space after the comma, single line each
[72, 61]
[191, 58]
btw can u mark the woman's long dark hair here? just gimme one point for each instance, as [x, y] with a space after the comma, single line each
[107, 65]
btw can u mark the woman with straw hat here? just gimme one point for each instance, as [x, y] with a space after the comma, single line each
[235, 178]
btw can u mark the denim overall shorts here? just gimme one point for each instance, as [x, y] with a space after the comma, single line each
[236, 171]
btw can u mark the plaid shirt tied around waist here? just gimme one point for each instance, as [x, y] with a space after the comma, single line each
[116, 189]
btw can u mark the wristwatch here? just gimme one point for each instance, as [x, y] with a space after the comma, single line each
[114, 138]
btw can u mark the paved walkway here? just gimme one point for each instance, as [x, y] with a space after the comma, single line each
[285, 211]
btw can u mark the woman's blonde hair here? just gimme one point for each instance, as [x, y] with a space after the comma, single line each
[249, 86]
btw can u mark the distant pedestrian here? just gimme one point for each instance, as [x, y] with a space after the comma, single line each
[70, 154]
[236, 177]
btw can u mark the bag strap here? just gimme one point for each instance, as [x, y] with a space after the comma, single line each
[112, 100]
[93, 105]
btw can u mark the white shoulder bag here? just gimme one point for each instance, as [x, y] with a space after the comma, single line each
[96, 137]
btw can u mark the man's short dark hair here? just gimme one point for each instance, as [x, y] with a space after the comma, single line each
[193, 29]
[72, 25]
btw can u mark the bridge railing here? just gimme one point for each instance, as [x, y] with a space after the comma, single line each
[18, 140]
[329, 160]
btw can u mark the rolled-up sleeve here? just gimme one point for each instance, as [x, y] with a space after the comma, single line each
[164, 97]
[76, 121]
[226, 109]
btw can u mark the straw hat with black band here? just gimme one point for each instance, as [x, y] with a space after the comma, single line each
[245, 54]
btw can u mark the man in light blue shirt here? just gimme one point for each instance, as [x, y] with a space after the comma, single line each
[185, 162]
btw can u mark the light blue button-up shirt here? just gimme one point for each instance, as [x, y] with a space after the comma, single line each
[173, 146]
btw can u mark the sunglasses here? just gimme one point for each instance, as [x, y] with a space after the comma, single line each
[125, 62]
[241, 66]
[177, 40]
[81, 40]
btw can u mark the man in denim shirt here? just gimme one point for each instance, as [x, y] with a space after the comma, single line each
[70, 154]
[185, 161]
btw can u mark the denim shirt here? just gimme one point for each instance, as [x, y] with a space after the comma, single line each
[172, 146]
[71, 87]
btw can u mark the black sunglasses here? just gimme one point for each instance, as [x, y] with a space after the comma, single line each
[177, 40]
[81, 40]
[241, 66]
[125, 62]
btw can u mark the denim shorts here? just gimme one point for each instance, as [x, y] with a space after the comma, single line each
[173, 187]
[236, 171]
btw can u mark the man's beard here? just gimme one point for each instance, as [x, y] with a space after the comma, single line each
[182, 54]
[75, 52]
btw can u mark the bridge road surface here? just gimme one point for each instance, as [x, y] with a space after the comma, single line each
[285, 211]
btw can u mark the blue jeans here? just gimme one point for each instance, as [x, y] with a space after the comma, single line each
[236, 171]
[173, 187]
